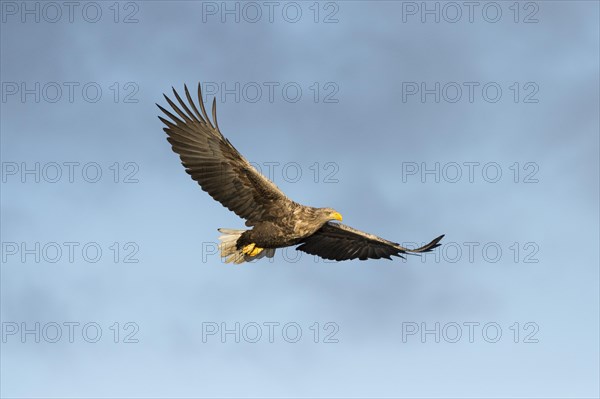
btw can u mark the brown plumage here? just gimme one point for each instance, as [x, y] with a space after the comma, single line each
[276, 220]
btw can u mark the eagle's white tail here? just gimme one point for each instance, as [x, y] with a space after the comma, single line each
[229, 251]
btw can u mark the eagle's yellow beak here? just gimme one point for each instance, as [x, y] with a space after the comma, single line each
[336, 216]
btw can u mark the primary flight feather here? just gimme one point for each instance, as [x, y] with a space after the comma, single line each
[276, 220]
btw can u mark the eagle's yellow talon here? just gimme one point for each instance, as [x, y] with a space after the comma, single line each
[247, 249]
[251, 250]
[256, 251]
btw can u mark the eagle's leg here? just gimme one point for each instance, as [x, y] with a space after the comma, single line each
[251, 250]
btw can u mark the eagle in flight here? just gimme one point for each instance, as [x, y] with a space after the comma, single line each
[276, 220]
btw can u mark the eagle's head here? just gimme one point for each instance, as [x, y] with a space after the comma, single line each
[330, 214]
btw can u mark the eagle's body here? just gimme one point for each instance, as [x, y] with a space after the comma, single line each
[300, 222]
[276, 220]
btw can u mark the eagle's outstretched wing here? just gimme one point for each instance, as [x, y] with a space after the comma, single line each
[217, 166]
[336, 241]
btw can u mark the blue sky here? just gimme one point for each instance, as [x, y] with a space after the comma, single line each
[482, 126]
